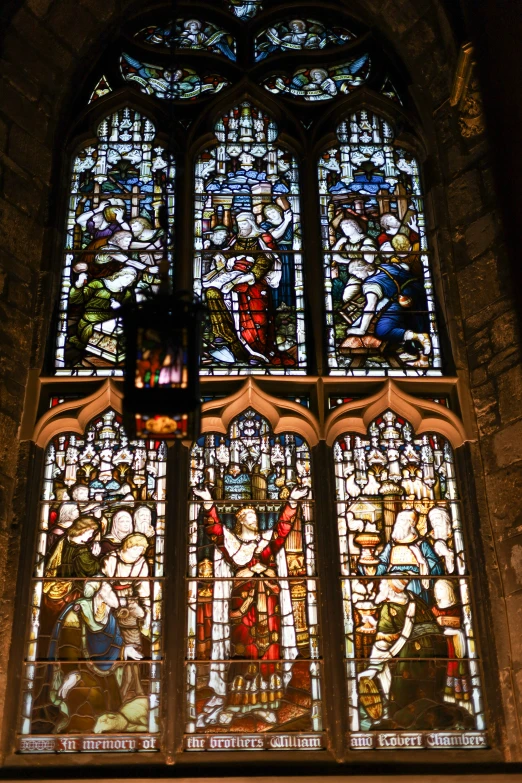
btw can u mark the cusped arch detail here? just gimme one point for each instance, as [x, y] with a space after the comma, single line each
[75, 415]
[424, 415]
[283, 415]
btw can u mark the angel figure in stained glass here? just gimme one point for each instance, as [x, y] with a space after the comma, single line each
[253, 615]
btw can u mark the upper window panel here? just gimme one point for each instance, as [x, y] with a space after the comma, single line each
[298, 34]
[190, 34]
[379, 294]
[114, 242]
[321, 84]
[248, 262]
[176, 84]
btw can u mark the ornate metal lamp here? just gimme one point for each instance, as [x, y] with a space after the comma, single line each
[163, 335]
[162, 368]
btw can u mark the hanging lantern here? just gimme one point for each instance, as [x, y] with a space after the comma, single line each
[162, 368]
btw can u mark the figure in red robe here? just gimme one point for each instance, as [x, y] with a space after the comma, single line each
[241, 309]
[252, 614]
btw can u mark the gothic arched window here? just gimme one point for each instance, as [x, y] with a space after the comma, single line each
[268, 157]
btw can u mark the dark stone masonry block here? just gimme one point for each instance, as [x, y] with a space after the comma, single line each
[481, 234]
[464, 198]
[72, 23]
[30, 154]
[508, 446]
[42, 40]
[510, 394]
[22, 111]
[479, 284]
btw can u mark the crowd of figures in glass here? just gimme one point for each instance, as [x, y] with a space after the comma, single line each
[248, 262]
[114, 242]
[190, 34]
[297, 34]
[379, 294]
[167, 83]
[244, 9]
[94, 647]
[253, 640]
[411, 660]
[319, 83]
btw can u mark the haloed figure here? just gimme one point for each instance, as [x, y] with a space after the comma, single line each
[257, 610]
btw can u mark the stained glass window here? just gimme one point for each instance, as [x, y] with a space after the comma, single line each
[379, 292]
[92, 669]
[248, 262]
[321, 84]
[298, 34]
[244, 9]
[102, 88]
[253, 647]
[179, 84]
[190, 34]
[114, 242]
[411, 658]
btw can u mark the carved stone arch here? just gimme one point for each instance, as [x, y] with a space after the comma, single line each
[283, 415]
[423, 415]
[74, 416]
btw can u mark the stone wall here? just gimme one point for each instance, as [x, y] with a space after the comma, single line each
[48, 45]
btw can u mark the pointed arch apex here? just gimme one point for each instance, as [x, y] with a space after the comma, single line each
[424, 415]
[283, 415]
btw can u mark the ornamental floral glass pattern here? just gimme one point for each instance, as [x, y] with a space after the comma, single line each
[297, 34]
[181, 84]
[248, 262]
[411, 659]
[379, 293]
[253, 651]
[94, 649]
[190, 34]
[321, 84]
[114, 242]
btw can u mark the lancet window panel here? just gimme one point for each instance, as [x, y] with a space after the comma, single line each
[254, 665]
[248, 264]
[380, 302]
[113, 243]
[94, 646]
[412, 664]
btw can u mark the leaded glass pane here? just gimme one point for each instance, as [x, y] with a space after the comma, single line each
[298, 34]
[94, 651]
[190, 34]
[411, 659]
[179, 84]
[248, 261]
[102, 88]
[321, 84]
[253, 645]
[380, 303]
[114, 242]
[244, 9]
